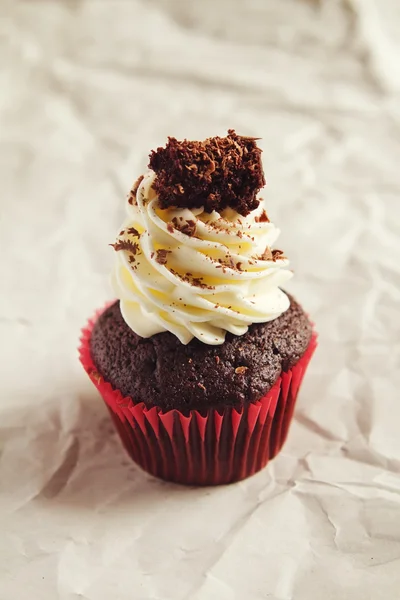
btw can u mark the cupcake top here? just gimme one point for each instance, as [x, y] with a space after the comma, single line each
[162, 372]
[195, 254]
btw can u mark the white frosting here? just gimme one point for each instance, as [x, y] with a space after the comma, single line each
[212, 282]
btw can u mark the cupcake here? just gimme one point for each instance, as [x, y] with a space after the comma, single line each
[201, 357]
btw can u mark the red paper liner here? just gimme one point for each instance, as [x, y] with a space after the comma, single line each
[217, 447]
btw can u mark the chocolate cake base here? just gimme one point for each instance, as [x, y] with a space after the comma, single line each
[160, 371]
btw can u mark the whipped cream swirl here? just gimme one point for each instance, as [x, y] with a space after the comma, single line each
[196, 274]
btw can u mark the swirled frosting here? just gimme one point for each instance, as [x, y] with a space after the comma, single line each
[196, 274]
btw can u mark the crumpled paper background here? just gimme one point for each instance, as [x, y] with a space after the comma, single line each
[88, 87]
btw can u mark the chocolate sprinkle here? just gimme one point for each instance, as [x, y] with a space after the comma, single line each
[216, 174]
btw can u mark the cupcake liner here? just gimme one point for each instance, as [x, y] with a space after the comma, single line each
[211, 447]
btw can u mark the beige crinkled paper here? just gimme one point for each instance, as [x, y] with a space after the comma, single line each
[89, 87]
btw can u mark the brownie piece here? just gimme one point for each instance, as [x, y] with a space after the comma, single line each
[215, 174]
[160, 371]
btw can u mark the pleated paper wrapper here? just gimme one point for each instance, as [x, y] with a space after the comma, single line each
[211, 447]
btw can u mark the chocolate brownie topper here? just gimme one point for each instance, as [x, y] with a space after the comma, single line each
[218, 173]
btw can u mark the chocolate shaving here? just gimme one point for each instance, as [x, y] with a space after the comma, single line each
[227, 263]
[267, 255]
[196, 281]
[132, 195]
[272, 255]
[161, 257]
[278, 255]
[215, 174]
[187, 227]
[133, 231]
[127, 245]
[263, 218]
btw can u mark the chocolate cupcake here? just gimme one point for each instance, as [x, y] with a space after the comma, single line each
[201, 358]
